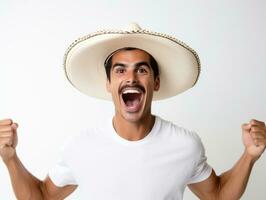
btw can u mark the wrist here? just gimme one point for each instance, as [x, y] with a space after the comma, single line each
[10, 160]
[249, 157]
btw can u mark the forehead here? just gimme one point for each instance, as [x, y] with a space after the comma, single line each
[135, 55]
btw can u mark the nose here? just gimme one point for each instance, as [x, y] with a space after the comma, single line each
[131, 77]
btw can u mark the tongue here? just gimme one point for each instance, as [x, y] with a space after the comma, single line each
[132, 103]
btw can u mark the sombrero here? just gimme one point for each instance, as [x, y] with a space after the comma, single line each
[179, 64]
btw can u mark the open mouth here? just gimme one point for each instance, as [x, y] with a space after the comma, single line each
[132, 98]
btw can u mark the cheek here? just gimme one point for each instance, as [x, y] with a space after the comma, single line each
[150, 84]
[114, 87]
[149, 89]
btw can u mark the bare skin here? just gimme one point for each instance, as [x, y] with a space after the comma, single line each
[232, 183]
[24, 184]
[131, 69]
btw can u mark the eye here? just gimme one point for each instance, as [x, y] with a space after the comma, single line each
[119, 70]
[141, 70]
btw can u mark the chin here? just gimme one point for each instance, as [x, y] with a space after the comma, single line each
[132, 117]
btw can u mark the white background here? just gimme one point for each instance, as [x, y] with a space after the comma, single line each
[228, 35]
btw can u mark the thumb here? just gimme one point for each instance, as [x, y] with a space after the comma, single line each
[246, 127]
[14, 126]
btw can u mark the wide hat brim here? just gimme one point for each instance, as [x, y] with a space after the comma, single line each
[179, 65]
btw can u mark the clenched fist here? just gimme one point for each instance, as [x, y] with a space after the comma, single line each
[254, 137]
[8, 139]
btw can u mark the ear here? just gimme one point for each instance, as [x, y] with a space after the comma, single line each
[108, 85]
[157, 83]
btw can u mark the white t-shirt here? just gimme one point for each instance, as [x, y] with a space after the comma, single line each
[158, 167]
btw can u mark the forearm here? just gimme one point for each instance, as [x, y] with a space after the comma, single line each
[233, 182]
[25, 185]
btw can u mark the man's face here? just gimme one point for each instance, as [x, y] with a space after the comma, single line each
[132, 84]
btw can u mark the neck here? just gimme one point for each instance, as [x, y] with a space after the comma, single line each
[133, 131]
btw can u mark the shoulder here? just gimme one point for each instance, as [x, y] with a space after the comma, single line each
[87, 136]
[166, 125]
[179, 134]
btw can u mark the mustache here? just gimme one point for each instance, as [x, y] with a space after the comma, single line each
[132, 86]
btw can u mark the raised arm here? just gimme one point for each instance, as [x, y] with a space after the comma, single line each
[232, 183]
[25, 185]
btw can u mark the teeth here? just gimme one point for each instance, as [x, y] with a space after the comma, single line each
[131, 91]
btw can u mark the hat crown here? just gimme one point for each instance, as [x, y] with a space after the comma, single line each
[132, 27]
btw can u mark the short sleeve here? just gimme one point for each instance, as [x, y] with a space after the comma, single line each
[61, 174]
[202, 169]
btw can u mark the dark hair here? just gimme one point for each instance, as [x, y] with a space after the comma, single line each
[108, 62]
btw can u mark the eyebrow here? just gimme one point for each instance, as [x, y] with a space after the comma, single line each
[136, 65]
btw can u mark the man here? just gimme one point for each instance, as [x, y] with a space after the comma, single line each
[134, 155]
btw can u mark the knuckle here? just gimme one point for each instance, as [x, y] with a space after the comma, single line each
[9, 134]
[256, 136]
[252, 121]
[5, 128]
[6, 121]
[253, 135]
[259, 141]
[6, 134]
[253, 129]
[6, 141]
[243, 126]
[9, 142]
